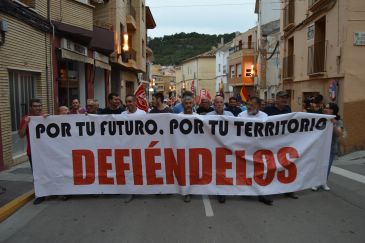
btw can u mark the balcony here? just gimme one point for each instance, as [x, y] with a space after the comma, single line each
[243, 46]
[289, 16]
[288, 67]
[131, 19]
[317, 58]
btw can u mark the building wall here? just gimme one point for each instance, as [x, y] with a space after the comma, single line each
[72, 12]
[222, 61]
[206, 75]
[269, 11]
[341, 65]
[354, 85]
[105, 16]
[179, 81]
[26, 49]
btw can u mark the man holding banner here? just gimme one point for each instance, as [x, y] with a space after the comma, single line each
[219, 110]
[132, 109]
[187, 155]
[281, 106]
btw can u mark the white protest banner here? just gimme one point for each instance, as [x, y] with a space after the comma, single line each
[185, 154]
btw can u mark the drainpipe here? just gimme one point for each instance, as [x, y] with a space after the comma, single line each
[51, 55]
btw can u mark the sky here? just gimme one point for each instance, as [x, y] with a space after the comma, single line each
[202, 16]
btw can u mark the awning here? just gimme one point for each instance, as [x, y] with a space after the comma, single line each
[66, 54]
[150, 21]
[102, 41]
[76, 34]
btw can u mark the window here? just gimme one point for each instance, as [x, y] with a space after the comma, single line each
[143, 49]
[310, 33]
[143, 12]
[224, 69]
[232, 71]
[219, 67]
[239, 70]
[22, 89]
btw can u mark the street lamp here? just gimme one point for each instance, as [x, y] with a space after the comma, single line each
[125, 49]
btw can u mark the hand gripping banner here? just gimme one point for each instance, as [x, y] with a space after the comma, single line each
[184, 154]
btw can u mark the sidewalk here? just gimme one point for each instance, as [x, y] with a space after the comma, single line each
[16, 188]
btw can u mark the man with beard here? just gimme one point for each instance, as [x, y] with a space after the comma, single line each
[280, 107]
[253, 109]
[114, 105]
[158, 104]
[232, 106]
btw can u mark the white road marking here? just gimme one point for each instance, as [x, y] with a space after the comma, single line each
[348, 174]
[207, 206]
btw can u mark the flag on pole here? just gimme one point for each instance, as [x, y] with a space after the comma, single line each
[244, 94]
[192, 87]
[221, 88]
[141, 98]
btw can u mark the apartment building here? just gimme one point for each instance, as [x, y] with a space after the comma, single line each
[241, 62]
[25, 70]
[81, 51]
[197, 74]
[163, 80]
[221, 82]
[61, 50]
[323, 45]
[129, 20]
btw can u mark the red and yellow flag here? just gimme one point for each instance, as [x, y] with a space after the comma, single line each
[244, 94]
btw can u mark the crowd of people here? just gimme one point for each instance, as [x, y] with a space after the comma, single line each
[187, 105]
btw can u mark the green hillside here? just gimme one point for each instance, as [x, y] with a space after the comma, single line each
[172, 49]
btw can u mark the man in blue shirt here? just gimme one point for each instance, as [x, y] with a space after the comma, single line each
[232, 106]
[281, 106]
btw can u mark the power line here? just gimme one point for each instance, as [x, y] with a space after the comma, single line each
[201, 5]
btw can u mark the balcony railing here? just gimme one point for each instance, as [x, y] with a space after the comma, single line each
[317, 58]
[289, 14]
[288, 67]
[246, 45]
[132, 54]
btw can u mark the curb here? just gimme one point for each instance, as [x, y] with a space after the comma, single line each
[11, 207]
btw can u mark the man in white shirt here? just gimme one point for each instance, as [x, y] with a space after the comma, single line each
[219, 110]
[132, 109]
[253, 109]
[219, 107]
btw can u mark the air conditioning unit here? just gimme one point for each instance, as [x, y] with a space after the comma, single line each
[71, 46]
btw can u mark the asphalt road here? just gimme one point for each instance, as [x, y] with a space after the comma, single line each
[334, 216]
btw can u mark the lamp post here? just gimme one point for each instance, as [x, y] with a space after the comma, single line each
[125, 48]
